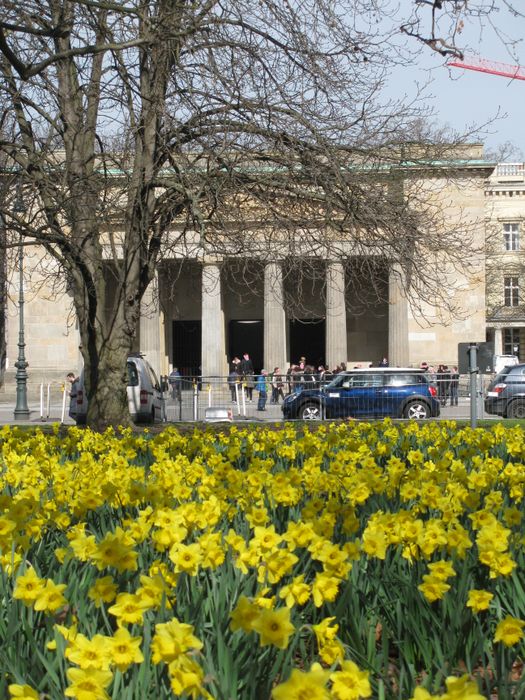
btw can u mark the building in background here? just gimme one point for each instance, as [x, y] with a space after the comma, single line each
[201, 310]
[505, 259]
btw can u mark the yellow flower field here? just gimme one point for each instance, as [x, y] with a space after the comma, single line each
[351, 561]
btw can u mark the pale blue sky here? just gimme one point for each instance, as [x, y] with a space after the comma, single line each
[462, 98]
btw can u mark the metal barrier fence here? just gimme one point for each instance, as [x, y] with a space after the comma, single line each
[192, 398]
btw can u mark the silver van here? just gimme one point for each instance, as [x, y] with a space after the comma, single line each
[145, 400]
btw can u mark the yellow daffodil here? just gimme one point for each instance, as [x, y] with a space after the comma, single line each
[274, 627]
[479, 600]
[509, 631]
[303, 684]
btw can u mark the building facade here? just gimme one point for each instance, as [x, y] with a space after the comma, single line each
[201, 311]
[505, 268]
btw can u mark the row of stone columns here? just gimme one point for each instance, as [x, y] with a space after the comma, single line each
[214, 362]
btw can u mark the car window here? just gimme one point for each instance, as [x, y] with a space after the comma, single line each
[404, 379]
[517, 370]
[362, 380]
[337, 381]
[153, 377]
[133, 375]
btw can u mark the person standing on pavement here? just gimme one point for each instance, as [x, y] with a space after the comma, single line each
[175, 382]
[247, 373]
[454, 386]
[262, 387]
[277, 386]
[72, 380]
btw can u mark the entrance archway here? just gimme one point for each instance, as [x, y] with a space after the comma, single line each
[247, 336]
[307, 339]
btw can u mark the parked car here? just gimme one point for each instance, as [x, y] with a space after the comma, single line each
[506, 393]
[145, 400]
[367, 393]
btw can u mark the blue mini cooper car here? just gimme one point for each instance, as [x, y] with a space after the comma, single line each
[374, 392]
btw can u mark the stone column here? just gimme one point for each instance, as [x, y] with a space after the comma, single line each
[212, 316]
[336, 340]
[274, 318]
[498, 341]
[398, 352]
[149, 332]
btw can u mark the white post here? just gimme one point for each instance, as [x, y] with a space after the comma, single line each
[64, 396]
[237, 398]
[48, 401]
[41, 402]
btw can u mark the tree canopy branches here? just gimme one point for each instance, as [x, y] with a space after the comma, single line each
[152, 128]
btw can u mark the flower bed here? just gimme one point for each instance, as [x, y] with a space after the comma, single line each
[363, 560]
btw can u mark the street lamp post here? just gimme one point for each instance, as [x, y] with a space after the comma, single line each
[21, 408]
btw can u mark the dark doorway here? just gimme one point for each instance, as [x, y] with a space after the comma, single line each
[247, 336]
[307, 339]
[187, 347]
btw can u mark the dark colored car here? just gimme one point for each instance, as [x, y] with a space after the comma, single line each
[367, 393]
[506, 393]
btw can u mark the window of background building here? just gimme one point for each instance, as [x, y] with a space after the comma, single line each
[511, 236]
[511, 291]
[511, 341]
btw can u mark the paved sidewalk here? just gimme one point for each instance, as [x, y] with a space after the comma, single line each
[271, 414]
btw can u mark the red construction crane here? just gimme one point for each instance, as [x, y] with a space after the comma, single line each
[483, 66]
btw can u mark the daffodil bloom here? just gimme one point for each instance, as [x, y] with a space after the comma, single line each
[350, 683]
[423, 694]
[243, 615]
[116, 550]
[324, 588]
[51, 598]
[442, 569]
[479, 600]
[6, 528]
[274, 627]
[303, 684]
[28, 587]
[124, 649]
[433, 588]
[128, 609]
[23, 692]
[171, 639]
[186, 558]
[509, 631]
[265, 538]
[461, 689]
[89, 653]
[104, 590]
[186, 677]
[88, 684]
[295, 593]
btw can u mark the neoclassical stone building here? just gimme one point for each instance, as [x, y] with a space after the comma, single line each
[202, 310]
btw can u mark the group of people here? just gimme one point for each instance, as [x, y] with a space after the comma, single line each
[274, 384]
[446, 380]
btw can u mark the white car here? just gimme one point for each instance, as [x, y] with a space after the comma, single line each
[145, 399]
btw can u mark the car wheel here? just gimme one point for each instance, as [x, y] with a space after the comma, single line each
[516, 409]
[416, 410]
[153, 415]
[311, 411]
